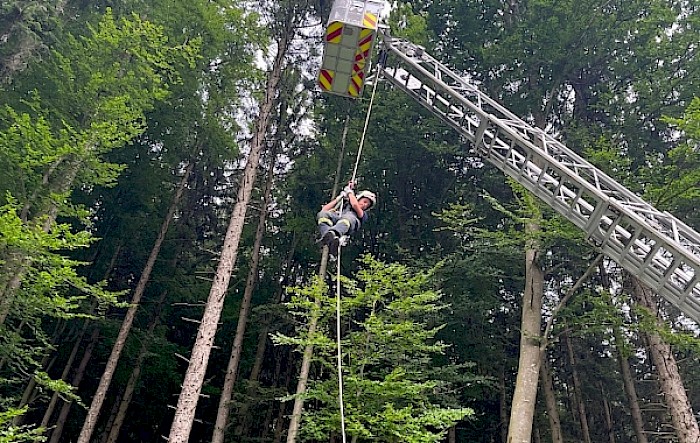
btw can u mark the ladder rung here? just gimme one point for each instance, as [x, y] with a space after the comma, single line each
[624, 226]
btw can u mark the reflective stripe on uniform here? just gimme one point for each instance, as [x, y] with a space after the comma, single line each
[347, 222]
[325, 221]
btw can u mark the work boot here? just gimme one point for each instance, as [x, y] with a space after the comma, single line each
[328, 238]
[334, 245]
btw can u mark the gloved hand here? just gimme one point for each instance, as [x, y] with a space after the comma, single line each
[348, 189]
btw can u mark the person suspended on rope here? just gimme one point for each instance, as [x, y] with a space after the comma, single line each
[334, 225]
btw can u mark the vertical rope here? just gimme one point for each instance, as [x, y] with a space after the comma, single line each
[337, 276]
[364, 130]
[340, 353]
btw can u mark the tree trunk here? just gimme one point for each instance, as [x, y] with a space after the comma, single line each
[66, 370]
[452, 434]
[194, 377]
[106, 379]
[267, 423]
[46, 365]
[17, 60]
[578, 392]
[244, 412]
[503, 407]
[74, 352]
[295, 418]
[237, 347]
[682, 417]
[77, 378]
[609, 426]
[104, 435]
[262, 338]
[29, 390]
[135, 374]
[627, 377]
[551, 401]
[279, 423]
[8, 295]
[523, 405]
[630, 390]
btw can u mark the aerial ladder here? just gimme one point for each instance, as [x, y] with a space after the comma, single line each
[653, 245]
[660, 250]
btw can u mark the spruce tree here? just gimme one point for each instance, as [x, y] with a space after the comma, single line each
[394, 390]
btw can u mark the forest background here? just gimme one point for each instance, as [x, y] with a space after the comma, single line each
[151, 150]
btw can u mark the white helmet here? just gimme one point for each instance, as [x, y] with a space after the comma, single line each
[368, 195]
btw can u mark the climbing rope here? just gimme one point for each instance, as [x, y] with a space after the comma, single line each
[337, 276]
[364, 129]
[340, 353]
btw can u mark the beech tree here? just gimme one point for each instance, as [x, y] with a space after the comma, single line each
[51, 150]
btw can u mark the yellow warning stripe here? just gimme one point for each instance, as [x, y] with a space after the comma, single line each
[334, 32]
[355, 85]
[358, 66]
[369, 20]
[364, 44]
[366, 36]
[325, 79]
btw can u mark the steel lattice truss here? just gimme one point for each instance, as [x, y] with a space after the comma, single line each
[653, 245]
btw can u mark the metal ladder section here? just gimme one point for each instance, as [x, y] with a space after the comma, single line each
[656, 247]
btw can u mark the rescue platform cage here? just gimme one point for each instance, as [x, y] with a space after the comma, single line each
[347, 47]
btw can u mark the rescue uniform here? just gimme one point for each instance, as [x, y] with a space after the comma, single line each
[345, 222]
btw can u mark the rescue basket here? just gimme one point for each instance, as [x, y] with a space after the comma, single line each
[347, 46]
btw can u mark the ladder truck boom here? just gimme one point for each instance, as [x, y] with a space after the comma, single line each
[659, 249]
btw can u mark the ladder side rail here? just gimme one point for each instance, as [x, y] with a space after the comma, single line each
[658, 258]
[511, 160]
[403, 48]
[619, 233]
[662, 220]
[665, 221]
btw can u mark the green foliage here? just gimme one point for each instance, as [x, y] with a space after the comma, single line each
[553, 229]
[43, 380]
[52, 287]
[671, 179]
[394, 390]
[117, 97]
[59, 140]
[681, 340]
[410, 25]
[28, 148]
[26, 29]
[50, 275]
[88, 98]
[119, 70]
[608, 158]
[17, 434]
[689, 122]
